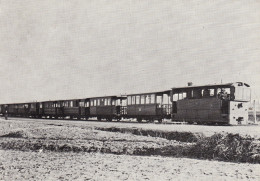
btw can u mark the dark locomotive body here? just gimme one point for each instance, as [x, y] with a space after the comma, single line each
[223, 104]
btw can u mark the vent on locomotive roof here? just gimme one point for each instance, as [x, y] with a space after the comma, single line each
[189, 83]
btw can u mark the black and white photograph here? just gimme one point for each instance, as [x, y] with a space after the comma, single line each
[138, 90]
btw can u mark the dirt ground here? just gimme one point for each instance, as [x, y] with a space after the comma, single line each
[43, 164]
[18, 165]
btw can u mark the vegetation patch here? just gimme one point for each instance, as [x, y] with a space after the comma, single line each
[15, 134]
[173, 135]
[227, 147]
[221, 146]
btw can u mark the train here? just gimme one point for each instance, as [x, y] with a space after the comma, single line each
[205, 104]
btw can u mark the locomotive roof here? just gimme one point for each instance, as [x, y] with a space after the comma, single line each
[214, 85]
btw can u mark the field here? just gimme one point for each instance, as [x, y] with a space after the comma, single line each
[88, 150]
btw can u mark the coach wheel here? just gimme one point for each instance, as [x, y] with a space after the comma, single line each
[99, 118]
[139, 120]
[151, 120]
[159, 120]
[118, 119]
[109, 119]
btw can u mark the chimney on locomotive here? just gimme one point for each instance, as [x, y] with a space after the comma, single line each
[189, 83]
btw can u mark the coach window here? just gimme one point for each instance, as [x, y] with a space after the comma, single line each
[81, 104]
[175, 97]
[137, 100]
[87, 104]
[113, 102]
[98, 102]
[180, 96]
[108, 101]
[184, 95]
[152, 98]
[142, 99]
[129, 100]
[118, 102]
[159, 99]
[95, 102]
[133, 100]
[147, 99]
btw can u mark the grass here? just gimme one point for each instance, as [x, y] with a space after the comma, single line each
[220, 146]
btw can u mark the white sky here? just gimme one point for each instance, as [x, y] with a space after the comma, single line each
[54, 49]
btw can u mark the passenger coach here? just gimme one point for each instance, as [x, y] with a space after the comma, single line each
[149, 106]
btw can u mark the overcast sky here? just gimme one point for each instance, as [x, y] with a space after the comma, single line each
[81, 48]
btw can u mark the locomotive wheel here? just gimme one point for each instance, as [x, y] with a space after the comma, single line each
[99, 118]
[159, 120]
[139, 120]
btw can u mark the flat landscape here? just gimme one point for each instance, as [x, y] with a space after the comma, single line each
[43, 149]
